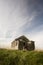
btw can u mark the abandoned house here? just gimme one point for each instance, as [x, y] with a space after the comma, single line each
[22, 43]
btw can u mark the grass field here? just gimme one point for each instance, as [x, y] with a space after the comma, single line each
[11, 57]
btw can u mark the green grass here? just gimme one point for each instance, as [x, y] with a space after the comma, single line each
[11, 57]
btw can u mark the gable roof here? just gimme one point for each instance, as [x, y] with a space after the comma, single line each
[23, 38]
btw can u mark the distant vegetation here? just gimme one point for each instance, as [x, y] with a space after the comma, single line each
[11, 57]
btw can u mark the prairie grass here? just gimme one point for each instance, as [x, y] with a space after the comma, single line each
[20, 57]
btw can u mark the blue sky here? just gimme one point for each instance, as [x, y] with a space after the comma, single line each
[21, 17]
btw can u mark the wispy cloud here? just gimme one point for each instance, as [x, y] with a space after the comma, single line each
[37, 36]
[18, 17]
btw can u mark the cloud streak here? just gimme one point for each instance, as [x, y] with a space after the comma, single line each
[18, 17]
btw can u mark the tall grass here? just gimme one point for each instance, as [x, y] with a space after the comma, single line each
[11, 57]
